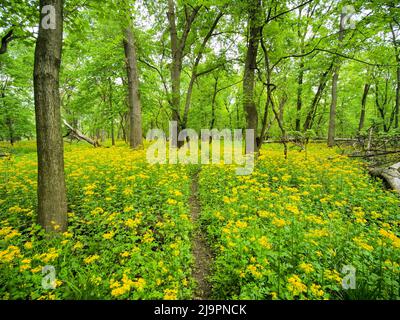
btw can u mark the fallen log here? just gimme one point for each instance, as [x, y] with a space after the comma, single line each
[391, 175]
[76, 134]
[370, 155]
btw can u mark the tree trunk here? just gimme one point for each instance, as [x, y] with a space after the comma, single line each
[249, 69]
[194, 74]
[397, 107]
[111, 114]
[363, 104]
[135, 113]
[214, 97]
[299, 94]
[301, 35]
[5, 40]
[313, 108]
[10, 127]
[52, 202]
[332, 112]
[397, 53]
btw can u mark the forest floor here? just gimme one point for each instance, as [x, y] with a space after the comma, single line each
[201, 251]
[309, 227]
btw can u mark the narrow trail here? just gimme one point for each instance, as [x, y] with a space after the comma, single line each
[201, 251]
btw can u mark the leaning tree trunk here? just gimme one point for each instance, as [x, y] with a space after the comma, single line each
[135, 113]
[52, 202]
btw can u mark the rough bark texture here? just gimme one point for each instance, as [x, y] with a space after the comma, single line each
[363, 104]
[52, 203]
[178, 45]
[176, 66]
[397, 53]
[332, 112]
[135, 112]
[249, 104]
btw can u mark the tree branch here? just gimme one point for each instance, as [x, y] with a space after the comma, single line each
[5, 40]
[287, 11]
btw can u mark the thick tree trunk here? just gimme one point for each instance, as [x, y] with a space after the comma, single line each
[52, 202]
[177, 52]
[363, 104]
[332, 112]
[249, 105]
[176, 67]
[135, 113]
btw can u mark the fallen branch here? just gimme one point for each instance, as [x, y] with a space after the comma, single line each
[391, 175]
[76, 134]
[373, 154]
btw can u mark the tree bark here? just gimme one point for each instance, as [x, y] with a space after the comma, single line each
[299, 94]
[391, 175]
[176, 66]
[332, 112]
[214, 97]
[397, 55]
[249, 105]
[135, 113]
[363, 104]
[313, 108]
[194, 74]
[177, 50]
[300, 76]
[111, 112]
[52, 201]
[5, 40]
[76, 134]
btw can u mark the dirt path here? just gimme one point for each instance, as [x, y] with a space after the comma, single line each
[201, 251]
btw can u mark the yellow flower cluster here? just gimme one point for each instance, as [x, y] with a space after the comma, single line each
[296, 286]
[91, 259]
[119, 289]
[9, 254]
[391, 236]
